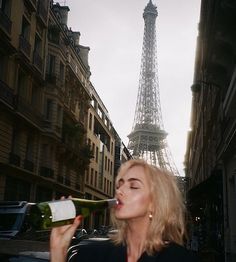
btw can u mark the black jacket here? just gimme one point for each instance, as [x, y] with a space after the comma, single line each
[106, 251]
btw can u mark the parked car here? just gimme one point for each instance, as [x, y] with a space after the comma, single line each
[13, 218]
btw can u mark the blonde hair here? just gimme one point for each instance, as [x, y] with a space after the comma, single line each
[167, 224]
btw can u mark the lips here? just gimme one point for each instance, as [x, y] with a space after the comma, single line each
[119, 204]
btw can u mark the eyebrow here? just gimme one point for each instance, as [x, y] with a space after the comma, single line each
[130, 180]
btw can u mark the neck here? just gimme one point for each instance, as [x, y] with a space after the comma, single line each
[136, 237]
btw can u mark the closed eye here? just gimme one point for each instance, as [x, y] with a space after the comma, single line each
[134, 187]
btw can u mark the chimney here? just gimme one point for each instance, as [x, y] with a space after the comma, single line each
[76, 37]
[63, 11]
[83, 53]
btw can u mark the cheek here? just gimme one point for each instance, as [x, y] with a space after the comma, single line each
[141, 202]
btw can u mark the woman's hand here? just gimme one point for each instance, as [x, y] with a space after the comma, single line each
[60, 239]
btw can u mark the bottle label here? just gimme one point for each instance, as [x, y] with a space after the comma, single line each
[62, 210]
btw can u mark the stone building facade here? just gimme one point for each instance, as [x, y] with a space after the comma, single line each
[56, 137]
[210, 156]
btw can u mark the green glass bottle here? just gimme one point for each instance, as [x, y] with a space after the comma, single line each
[45, 215]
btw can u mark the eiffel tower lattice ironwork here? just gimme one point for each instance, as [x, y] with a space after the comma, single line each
[147, 139]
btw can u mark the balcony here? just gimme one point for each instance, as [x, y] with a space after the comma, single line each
[6, 93]
[28, 111]
[72, 64]
[60, 179]
[47, 123]
[54, 34]
[51, 78]
[14, 159]
[42, 13]
[31, 4]
[38, 61]
[67, 182]
[5, 23]
[28, 165]
[24, 46]
[78, 186]
[46, 172]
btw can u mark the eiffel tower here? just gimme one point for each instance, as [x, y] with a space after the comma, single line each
[147, 139]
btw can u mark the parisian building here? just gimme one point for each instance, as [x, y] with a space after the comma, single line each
[56, 137]
[210, 158]
[102, 139]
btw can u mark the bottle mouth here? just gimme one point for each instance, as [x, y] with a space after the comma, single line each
[112, 202]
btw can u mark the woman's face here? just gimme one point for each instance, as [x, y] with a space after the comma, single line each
[133, 194]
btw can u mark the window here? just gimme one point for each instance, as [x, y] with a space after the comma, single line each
[108, 189]
[48, 113]
[16, 189]
[46, 155]
[5, 6]
[16, 141]
[105, 162]
[86, 176]
[51, 64]
[96, 178]
[29, 148]
[68, 177]
[3, 67]
[112, 148]
[105, 185]
[22, 85]
[93, 149]
[62, 72]
[37, 45]
[96, 158]
[35, 97]
[91, 177]
[25, 29]
[37, 56]
[99, 112]
[59, 115]
[111, 168]
[54, 34]
[90, 121]
[43, 194]
[106, 122]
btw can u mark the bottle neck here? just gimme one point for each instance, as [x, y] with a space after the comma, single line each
[96, 203]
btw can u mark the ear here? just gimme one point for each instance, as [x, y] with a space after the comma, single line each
[150, 207]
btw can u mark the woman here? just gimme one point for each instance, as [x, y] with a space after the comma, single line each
[149, 218]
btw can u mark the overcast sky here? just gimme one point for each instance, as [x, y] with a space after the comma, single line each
[113, 29]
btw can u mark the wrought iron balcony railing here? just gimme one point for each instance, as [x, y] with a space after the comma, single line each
[38, 61]
[6, 93]
[5, 22]
[42, 12]
[28, 111]
[24, 46]
[14, 159]
[46, 172]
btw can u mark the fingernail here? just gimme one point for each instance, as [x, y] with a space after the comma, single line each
[79, 218]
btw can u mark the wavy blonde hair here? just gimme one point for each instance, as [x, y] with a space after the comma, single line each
[168, 223]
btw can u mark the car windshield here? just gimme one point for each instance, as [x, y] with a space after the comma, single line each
[10, 221]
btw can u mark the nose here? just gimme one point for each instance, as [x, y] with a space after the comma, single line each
[119, 192]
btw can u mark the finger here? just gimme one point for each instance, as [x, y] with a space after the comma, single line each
[72, 229]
